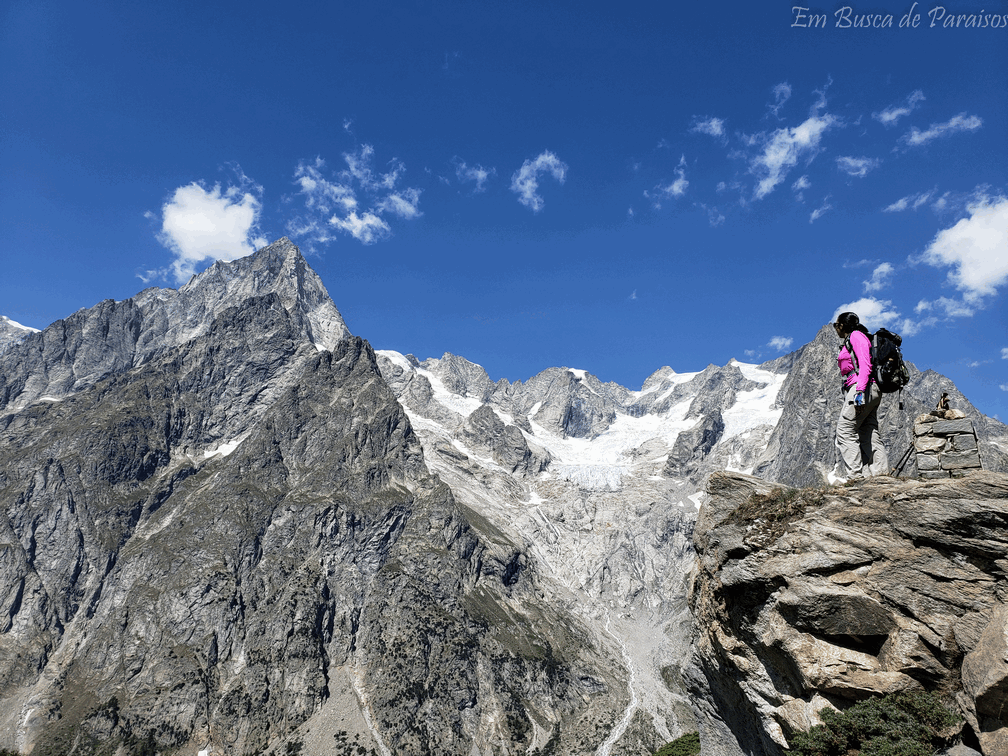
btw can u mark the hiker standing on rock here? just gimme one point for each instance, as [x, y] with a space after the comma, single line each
[857, 432]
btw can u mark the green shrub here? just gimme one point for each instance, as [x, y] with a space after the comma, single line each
[684, 745]
[898, 724]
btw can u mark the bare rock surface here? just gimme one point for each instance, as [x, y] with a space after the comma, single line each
[113, 337]
[234, 544]
[866, 589]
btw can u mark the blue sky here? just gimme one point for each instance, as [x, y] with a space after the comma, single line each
[607, 186]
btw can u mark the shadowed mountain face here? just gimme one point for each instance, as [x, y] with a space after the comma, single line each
[237, 537]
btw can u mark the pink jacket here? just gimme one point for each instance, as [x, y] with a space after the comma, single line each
[862, 350]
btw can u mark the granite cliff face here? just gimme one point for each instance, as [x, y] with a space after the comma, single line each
[225, 537]
[860, 590]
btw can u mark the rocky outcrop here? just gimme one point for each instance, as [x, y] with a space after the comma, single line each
[819, 598]
[484, 430]
[692, 446]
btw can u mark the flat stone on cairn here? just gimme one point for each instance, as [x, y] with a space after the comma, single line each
[946, 445]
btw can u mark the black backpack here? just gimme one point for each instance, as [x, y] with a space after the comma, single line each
[888, 370]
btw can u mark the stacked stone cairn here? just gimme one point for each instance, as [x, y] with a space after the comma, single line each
[946, 445]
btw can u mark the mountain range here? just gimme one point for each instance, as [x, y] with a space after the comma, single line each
[228, 525]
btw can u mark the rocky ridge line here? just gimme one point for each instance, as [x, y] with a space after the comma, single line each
[868, 589]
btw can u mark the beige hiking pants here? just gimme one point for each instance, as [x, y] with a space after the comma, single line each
[857, 435]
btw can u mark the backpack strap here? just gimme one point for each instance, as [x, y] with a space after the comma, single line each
[850, 350]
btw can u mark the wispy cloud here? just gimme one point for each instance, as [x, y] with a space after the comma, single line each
[782, 149]
[911, 201]
[477, 173]
[714, 216]
[893, 113]
[820, 211]
[525, 181]
[953, 308]
[215, 223]
[857, 167]
[367, 228]
[880, 278]
[359, 167]
[633, 295]
[962, 122]
[708, 125]
[676, 188]
[780, 343]
[1004, 353]
[781, 93]
[976, 250]
[334, 204]
[799, 187]
[404, 204]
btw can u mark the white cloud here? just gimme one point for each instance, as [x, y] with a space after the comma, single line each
[915, 137]
[633, 295]
[320, 194]
[953, 308]
[913, 327]
[976, 248]
[780, 343]
[821, 210]
[893, 113]
[911, 201]
[857, 167]
[710, 125]
[404, 204]
[1003, 387]
[200, 224]
[476, 173]
[678, 187]
[335, 204]
[781, 93]
[873, 313]
[880, 278]
[783, 149]
[799, 187]
[359, 167]
[1004, 353]
[367, 229]
[525, 181]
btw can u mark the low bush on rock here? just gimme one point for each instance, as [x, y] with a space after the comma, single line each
[685, 745]
[898, 724]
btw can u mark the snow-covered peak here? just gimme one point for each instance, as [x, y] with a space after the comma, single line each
[14, 325]
[12, 332]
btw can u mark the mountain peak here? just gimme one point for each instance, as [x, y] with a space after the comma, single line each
[112, 337]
